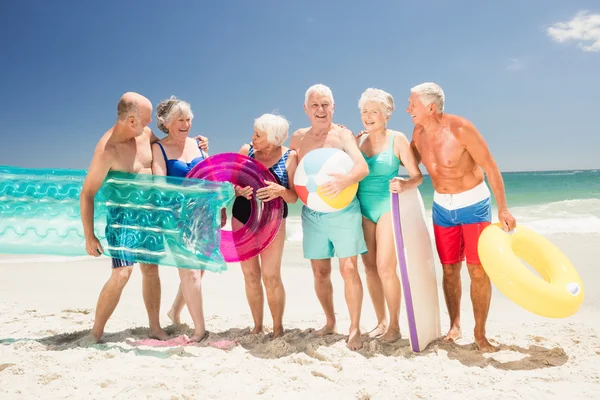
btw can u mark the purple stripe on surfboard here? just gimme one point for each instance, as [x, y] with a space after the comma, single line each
[404, 273]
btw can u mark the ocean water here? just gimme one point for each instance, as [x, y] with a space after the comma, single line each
[549, 202]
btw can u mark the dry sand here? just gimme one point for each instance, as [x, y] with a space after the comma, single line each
[47, 304]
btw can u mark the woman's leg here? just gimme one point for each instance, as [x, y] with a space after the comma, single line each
[373, 280]
[386, 266]
[191, 288]
[271, 276]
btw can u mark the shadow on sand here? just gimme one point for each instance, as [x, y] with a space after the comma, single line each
[296, 341]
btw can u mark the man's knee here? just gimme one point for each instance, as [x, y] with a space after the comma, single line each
[349, 268]
[451, 270]
[149, 270]
[476, 271]
[121, 275]
[321, 269]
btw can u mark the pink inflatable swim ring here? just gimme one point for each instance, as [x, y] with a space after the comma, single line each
[265, 217]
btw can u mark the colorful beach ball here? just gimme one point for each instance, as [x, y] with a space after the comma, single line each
[312, 172]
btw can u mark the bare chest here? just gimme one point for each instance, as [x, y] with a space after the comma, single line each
[440, 151]
[310, 143]
[134, 157]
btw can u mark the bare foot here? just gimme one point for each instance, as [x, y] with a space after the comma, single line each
[453, 334]
[355, 342]
[158, 334]
[326, 330]
[88, 340]
[391, 335]
[257, 330]
[277, 333]
[379, 330]
[173, 317]
[198, 337]
[485, 346]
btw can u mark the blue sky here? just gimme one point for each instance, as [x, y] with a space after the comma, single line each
[533, 93]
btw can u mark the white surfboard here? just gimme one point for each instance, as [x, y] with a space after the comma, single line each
[417, 270]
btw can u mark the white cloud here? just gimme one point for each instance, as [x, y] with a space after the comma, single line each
[584, 28]
[515, 65]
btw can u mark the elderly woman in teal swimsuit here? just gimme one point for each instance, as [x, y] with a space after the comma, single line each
[176, 155]
[384, 150]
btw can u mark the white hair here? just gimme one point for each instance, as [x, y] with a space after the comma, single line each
[379, 96]
[430, 92]
[319, 89]
[167, 109]
[275, 126]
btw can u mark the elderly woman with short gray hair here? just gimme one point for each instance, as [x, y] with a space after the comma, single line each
[384, 150]
[270, 132]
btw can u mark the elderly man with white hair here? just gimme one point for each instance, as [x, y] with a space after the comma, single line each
[270, 132]
[384, 151]
[456, 157]
[339, 233]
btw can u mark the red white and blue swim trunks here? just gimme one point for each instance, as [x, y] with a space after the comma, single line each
[458, 220]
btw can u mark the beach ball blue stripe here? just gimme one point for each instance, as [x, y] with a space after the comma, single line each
[314, 160]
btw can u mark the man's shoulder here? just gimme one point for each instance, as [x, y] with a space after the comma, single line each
[299, 133]
[342, 131]
[457, 122]
[459, 126]
[417, 131]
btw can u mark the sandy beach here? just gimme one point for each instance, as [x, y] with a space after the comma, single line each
[47, 303]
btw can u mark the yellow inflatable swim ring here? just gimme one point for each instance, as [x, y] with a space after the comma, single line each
[558, 293]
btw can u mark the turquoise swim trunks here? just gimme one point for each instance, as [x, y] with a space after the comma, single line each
[338, 234]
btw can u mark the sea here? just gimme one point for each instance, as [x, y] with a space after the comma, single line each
[549, 202]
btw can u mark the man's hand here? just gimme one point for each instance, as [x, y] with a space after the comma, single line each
[270, 192]
[202, 143]
[508, 221]
[335, 186]
[398, 185]
[93, 247]
[243, 192]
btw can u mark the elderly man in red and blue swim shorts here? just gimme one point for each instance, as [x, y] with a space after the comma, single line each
[454, 154]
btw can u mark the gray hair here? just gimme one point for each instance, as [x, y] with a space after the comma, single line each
[127, 108]
[379, 96]
[275, 126]
[430, 92]
[319, 89]
[167, 109]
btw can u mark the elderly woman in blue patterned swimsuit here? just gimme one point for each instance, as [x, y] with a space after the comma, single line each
[176, 155]
[270, 132]
[384, 150]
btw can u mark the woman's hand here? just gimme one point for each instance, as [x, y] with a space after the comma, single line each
[270, 192]
[243, 192]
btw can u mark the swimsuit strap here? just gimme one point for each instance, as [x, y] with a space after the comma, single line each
[201, 151]
[163, 151]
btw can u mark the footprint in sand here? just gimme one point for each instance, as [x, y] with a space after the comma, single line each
[84, 311]
[4, 366]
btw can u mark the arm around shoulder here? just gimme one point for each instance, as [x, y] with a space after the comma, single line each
[403, 149]
[296, 138]
[361, 168]
[244, 150]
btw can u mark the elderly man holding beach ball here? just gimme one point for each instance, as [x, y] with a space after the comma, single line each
[333, 226]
